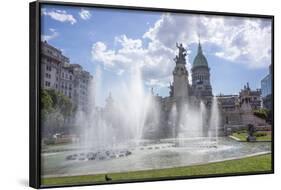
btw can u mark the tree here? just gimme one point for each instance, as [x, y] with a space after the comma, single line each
[55, 109]
[262, 113]
[46, 104]
[62, 103]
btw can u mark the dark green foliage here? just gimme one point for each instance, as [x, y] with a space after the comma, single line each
[55, 109]
[49, 141]
[270, 116]
[46, 100]
[46, 104]
[261, 113]
[61, 102]
[260, 134]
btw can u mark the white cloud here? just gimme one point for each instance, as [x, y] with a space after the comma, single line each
[108, 57]
[238, 40]
[155, 60]
[51, 36]
[85, 14]
[60, 15]
[245, 41]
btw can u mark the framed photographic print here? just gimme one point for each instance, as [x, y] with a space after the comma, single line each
[130, 94]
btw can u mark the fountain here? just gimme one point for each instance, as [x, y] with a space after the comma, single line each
[131, 113]
[136, 130]
[131, 116]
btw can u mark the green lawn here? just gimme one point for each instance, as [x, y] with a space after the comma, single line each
[243, 136]
[251, 164]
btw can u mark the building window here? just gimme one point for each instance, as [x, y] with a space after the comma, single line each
[70, 77]
[48, 75]
[48, 68]
[47, 83]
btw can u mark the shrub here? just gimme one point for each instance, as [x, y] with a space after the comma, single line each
[260, 134]
[261, 113]
[49, 141]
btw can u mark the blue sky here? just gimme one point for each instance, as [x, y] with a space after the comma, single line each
[238, 49]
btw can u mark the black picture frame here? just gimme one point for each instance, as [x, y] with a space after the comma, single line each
[34, 69]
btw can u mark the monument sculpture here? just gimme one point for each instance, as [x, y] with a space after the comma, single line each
[188, 110]
[251, 131]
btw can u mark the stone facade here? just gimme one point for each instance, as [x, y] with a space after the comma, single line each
[237, 110]
[180, 75]
[201, 85]
[182, 93]
[69, 79]
[52, 61]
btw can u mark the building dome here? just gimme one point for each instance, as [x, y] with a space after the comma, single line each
[200, 60]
